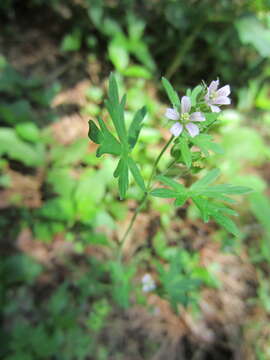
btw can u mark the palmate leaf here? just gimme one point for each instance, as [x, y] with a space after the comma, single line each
[202, 194]
[122, 147]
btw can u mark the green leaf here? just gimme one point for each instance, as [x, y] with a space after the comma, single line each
[118, 53]
[226, 222]
[28, 131]
[125, 142]
[140, 50]
[206, 180]
[116, 109]
[123, 178]
[121, 282]
[194, 94]
[72, 41]
[205, 143]
[215, 195]
[19, 111]
[230, 189]
[89, 192]
[135, 127]
[164, 193]
[136, 173]
[201, 204]
[113, 90]
[178, 281]
[109, 143]
[252, 31]
[181, 199]
[222, 208]
[179, 192]
[137, 71]
[208, 208]
[67, 155]
[94, 133]
[118, 169]
[15, 148]
[172, 94]
[172, 183]
[185, 152]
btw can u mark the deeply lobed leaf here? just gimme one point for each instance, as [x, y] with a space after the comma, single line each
[125, 142]
[201, 193]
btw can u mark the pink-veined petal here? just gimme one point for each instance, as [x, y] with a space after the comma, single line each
[197, 116]
[222, 100]
[192, 129]
[176, 129]
[185, 104]
[172, 114]
[215, 108]
[224, 91]
[213, 86]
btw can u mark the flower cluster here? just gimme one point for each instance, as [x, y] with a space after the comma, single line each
[148, 283]
[213, 98]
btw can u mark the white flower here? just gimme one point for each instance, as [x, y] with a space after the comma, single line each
[148, 283]
[186, 120]
[217, 96]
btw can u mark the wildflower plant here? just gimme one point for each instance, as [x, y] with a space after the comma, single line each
[191, 118]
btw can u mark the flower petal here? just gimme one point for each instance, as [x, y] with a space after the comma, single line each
[197, 116]
[176, 129]
[213, 86]
[215, 108]
[192, 129]
[146, 278]
[224, 91]
[172, 114]
[222, 100]
[185, 104]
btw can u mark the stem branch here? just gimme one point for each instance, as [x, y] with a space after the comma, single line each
[144, 198]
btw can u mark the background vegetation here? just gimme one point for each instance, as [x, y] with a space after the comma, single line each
[62, 294]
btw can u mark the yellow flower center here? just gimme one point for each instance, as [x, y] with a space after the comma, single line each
[185, 118]
[213, 95]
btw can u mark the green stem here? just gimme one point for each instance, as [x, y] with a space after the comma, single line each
[144, 198]
[157, 161]
[139, 208]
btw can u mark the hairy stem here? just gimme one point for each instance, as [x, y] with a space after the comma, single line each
[145, 196]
